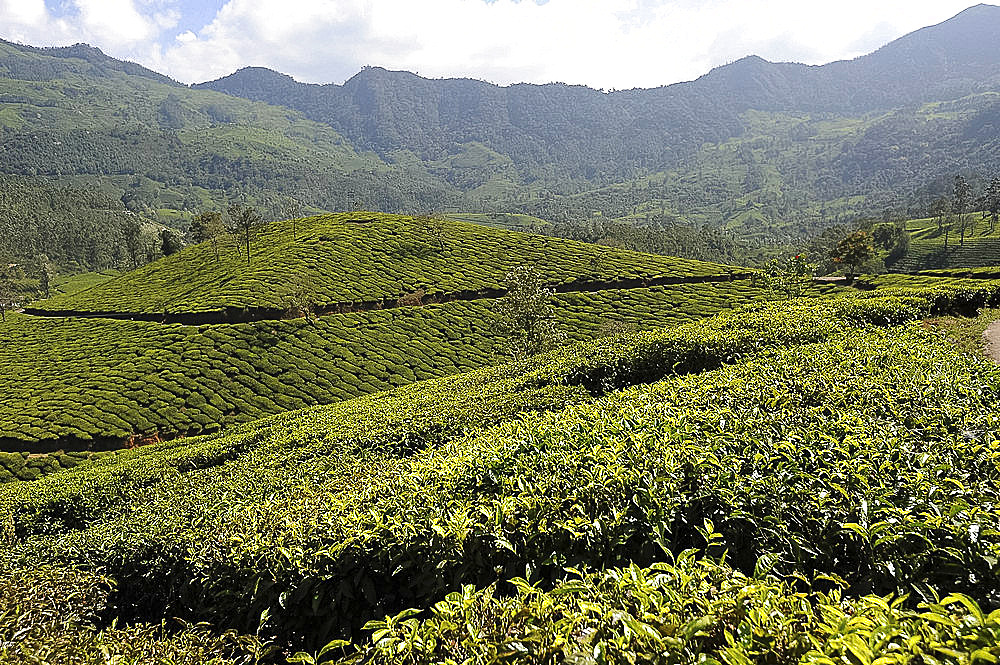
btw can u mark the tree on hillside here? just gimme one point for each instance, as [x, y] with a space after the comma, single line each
[132, 229]
[992, 202]
[242, 220]
[44, 275]
[208, 226]
[292, 210]
[939, 211]
[790, 277]
[434, 227]
[961, 198]
[525, 316]
[7, 275]
[854, 250]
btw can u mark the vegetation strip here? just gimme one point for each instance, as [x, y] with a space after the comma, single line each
[254, 314]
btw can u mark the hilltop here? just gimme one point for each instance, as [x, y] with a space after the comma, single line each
[199, 341]
[355, 260]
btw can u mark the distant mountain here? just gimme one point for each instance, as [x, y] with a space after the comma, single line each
[599, 136]
[768, 152]
[30, 63]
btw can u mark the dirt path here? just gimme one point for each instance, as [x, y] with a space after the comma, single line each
[991, 338]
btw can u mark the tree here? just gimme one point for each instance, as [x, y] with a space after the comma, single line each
[434, 227]
[242, 220]
[170, 242]
[208, 226]
[524, 315]
[292, 210]
[7, 275]
[961, 197]
[992, 202]
[133, 238]
[45, 275]
[939, 211]
[854, 250]
[790, 277]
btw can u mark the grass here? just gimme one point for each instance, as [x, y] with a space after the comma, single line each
[966, 332]
[68, 285]
[796, 481]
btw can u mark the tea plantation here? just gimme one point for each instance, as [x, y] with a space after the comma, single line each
[805, 481]
[361, 257]
[77, 382]
[980, 248]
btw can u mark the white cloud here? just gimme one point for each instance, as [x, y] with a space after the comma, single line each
[603, 43]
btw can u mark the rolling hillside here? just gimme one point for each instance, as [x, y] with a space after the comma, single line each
[339, 262]
[979, 249]
[77, 116]
[776, 484]
[193, 343]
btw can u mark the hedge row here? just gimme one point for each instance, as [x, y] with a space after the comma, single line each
[22, 466]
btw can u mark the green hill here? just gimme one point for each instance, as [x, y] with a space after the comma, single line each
[777, 484]
[352, 258]
[980, 248]
[79, 382]
[200, 340]
[770, 152]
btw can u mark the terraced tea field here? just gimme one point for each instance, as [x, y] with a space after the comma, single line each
[927, 251]
[77, 382]
[804, 481]
[335, 261]
[149, 354]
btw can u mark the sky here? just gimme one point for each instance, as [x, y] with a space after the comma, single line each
[608, 44]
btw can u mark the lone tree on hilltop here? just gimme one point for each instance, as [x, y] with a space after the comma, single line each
[992, 202]
[433, 226]
[242, 220]
[961, 198]
[525, 316]
[854, 250]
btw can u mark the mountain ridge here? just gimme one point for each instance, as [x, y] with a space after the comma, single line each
[387, 111]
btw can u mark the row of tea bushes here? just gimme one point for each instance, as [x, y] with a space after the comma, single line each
[76, 381]
[684, 611]
[22, 466]
[354, 257]
[829, 448]
[54, 615]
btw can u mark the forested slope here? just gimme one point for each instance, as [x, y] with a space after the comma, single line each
[767, 152]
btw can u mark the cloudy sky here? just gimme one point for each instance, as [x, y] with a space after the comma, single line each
[601, 43]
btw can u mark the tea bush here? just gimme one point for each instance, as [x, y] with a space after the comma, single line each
[835, 447]
[78, 381]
